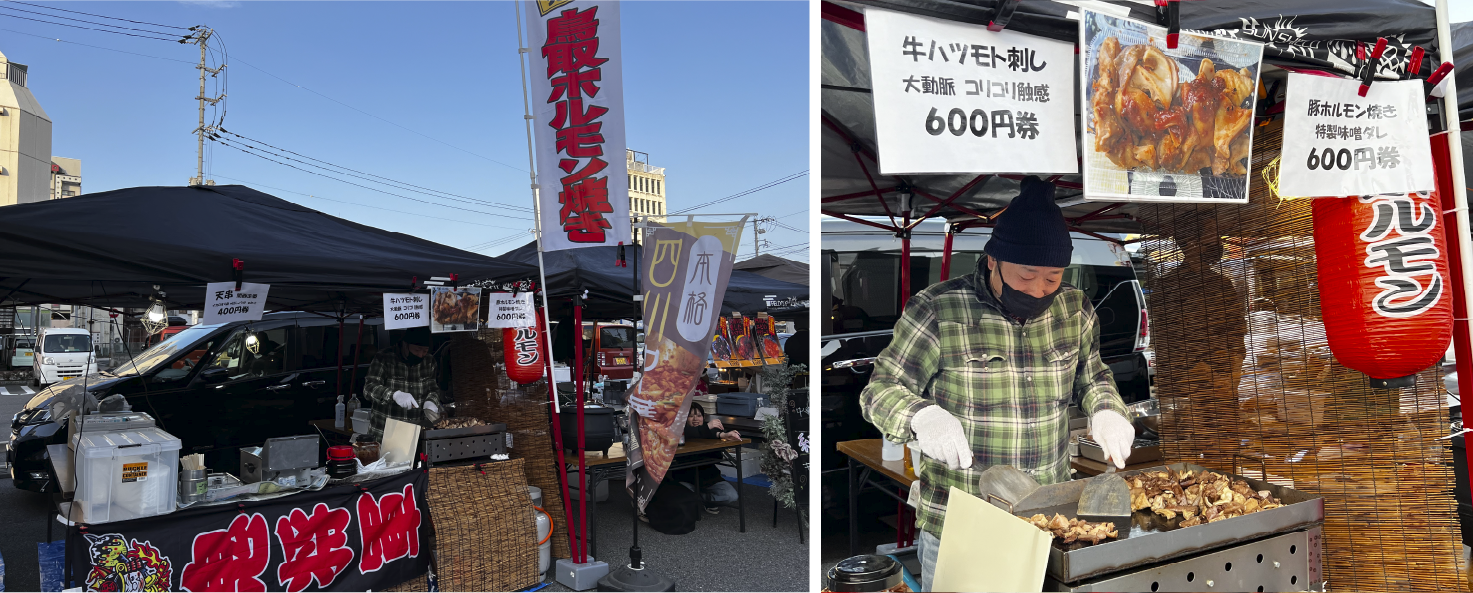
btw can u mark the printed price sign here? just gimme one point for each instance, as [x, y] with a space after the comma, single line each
[957, 98]
[508, 310]
[1338, 143]
[224, 304]
[402, 310]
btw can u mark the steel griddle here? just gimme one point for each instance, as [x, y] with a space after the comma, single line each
[1152, 539]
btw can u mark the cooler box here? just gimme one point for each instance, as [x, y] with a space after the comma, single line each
[127, 474]
[737, 404]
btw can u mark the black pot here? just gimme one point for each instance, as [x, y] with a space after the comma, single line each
[864, 573]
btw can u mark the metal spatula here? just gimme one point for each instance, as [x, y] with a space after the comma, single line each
[1106, 498]
[1004, 486]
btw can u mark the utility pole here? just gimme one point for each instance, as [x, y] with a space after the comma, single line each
[756, 242]
[202, 36]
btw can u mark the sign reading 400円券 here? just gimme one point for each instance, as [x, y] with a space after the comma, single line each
[957, 98]
[224, 304]
[1338, 143]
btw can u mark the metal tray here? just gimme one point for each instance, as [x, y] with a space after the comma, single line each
[1142, 451]
[452, 433]
[1152, 539]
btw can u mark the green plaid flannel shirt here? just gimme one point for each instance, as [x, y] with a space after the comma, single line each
[1008, 383]
[389, 373]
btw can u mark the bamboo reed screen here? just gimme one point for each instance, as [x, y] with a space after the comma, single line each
[1247, 384]
[482, 390]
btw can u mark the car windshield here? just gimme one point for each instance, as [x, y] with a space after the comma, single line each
[616, 337]
[63, 343]
[163, 352]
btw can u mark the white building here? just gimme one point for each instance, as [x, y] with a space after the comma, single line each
[25, 140]
[66, 177]
[646, 188]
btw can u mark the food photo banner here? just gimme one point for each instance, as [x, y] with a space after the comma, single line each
[1165, 125]
[578, 122]
[455, 309]
[1338, 143]
[355, 537]
[406, 310]
[686, 267]
[956, 98]
[224, 304]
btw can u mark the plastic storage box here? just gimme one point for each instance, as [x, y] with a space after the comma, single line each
[126, 474]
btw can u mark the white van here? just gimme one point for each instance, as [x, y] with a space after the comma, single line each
[62, 353]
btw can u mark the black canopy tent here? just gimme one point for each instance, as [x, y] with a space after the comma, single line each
[110, 249]
[611, 288]
[777, 268]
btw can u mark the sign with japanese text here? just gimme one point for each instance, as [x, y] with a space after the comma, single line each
[224, 304]
[578, 118]
[956, 98]
[1338, 143]
[340, 538]
[1165, 124]
[406, 310]
[511, 310]
[685, 268]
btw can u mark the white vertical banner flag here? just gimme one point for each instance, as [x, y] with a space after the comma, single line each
[578, 122]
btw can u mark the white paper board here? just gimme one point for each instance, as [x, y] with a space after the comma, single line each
[1337, 143]
[406, 310]
[224, 304]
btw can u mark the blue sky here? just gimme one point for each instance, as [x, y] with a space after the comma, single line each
[716, 92]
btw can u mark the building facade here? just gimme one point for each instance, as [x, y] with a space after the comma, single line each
[66, 177]
[25, 139]
[646, 189]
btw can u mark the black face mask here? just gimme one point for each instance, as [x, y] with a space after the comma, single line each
[411, 359]
[1021, 305]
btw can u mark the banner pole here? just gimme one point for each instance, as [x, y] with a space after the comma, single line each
[554, 412]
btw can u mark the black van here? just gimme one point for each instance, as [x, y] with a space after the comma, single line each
[216, 387]
[861, 291]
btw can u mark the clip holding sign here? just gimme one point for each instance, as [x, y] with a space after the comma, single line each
[619, 260]
[1372, 65]
[1414, 64]
[237, 272]
[455, 281]
[1437, 76]
[1168, 14]
[1002, 14]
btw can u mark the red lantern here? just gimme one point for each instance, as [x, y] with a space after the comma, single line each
[523, 351]
[1383, 274]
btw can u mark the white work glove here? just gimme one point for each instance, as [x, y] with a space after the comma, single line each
[1114, 433]
[941, 437]
[404, 399]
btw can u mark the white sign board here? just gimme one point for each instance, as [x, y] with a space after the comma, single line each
[957, 98]
[404, 310]
[1338, 143]
[224, 304]
[578, 111]
[511, 310]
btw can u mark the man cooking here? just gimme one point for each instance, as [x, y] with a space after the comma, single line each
[984, 367]
[401, 383]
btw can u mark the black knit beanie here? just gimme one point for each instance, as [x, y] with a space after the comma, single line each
[1032, 232]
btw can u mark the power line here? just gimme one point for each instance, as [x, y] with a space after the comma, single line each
[52, 16]
[767, 185]
[16, 16]
[103, 16]
[385, 179]
[96, 46]
[381, 118]
[257, 155]
[317, 197]
[793, 214]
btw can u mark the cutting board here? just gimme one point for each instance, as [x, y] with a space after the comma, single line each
[401, 440]
[984, 548]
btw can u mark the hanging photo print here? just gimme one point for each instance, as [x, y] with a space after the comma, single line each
[1165, 125]
[455, 309]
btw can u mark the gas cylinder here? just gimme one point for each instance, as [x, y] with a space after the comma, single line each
[544, 532]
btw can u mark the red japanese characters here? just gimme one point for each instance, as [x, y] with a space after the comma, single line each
[230, 559]
[313, 546]
[523, 354]
[1383, 283]
[388, 528]
[571, 53]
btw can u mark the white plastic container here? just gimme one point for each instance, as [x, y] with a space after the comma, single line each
[126, 474]
[891, 451]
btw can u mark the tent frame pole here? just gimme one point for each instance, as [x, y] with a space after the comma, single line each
[1461, 342]
[554, 409]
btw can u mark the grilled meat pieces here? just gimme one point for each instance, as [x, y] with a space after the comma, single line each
[1074, 530]
[1204, 497]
